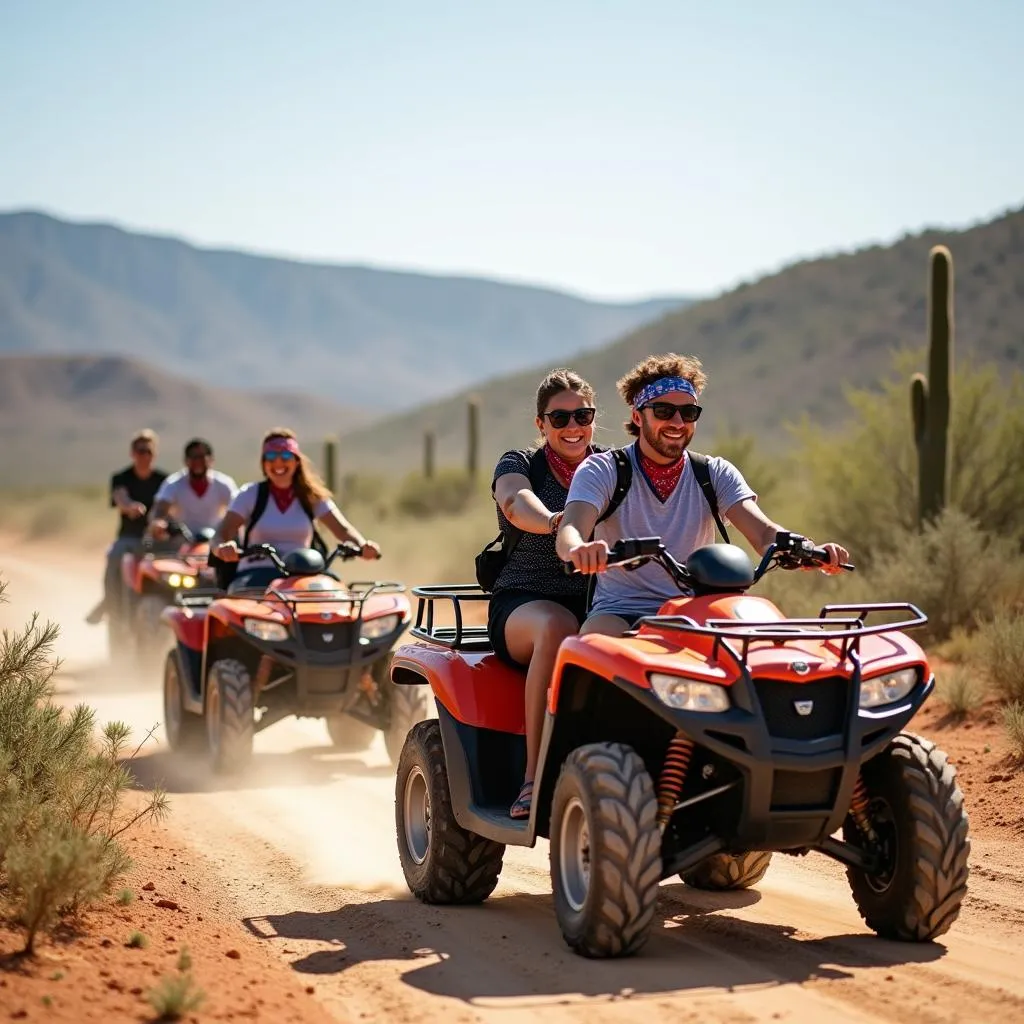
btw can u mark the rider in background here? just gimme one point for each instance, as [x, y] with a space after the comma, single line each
[132, 492]
[664, 500]
[281, 510]
[197, 495]
[534, 605]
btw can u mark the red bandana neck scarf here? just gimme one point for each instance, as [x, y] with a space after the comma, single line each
[199, 484]
[663, 478]
[283, 496]
[559, 466]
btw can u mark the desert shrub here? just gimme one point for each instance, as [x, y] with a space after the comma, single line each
[447, 492]
[61, 789]
[960, 690]
[177, 994]
[999, 651]
[864, 480]
[741, 450]
[1013, 724]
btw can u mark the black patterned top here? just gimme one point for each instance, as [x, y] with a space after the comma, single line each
[534, 564]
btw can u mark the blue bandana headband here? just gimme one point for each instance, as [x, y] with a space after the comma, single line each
[663, 386]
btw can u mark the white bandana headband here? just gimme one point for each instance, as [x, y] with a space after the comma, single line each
[663, 386]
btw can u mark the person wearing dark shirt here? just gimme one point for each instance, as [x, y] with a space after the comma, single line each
[132, 492]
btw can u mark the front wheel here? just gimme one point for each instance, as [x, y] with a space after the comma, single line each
[442, 862]
[228, 711]
[916, 808]
[605, 850]
[185, 731]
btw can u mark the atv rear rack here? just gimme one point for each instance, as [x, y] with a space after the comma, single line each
[824, 627]
[459, 637]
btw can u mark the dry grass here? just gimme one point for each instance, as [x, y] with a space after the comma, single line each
[1013, 723]
[960, 689]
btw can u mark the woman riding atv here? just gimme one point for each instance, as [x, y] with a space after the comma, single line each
[535, 605]
[281, 510]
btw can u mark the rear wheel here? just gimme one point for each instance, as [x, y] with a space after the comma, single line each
[185, 731]
[408, 706]
[916, 808]
[725, 871]
[442, 861]
[229, 715]
[348, 734]
[605, 850]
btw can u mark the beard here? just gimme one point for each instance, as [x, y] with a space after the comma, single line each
[666, 449]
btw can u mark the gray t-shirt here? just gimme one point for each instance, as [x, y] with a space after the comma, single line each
[683, 522]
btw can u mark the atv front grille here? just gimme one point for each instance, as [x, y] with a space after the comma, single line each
[803, 711]
[327, 637]
[792, 791]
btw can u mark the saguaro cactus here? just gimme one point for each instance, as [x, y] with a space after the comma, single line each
[473, 437]
[930, 396]
[330, 464]
[428, 454]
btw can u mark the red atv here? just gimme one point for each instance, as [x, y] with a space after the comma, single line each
[699, 743]
[153, 575]
[299, 643]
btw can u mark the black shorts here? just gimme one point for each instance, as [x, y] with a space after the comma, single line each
[505, 602]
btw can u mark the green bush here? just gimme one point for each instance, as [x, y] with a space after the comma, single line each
[60, 794]
[999, 651]
[960, 690]
[864, 480]
[447, 492]
[177, 994]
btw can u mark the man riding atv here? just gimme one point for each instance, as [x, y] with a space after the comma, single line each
[644, 490]
[197, 495]
[132, 492]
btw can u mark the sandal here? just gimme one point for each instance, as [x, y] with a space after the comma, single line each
[521, 808]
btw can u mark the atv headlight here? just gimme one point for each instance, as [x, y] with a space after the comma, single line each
[177, 579]
[689, 694]
[887, 689]
[263, 630]
[371, 629]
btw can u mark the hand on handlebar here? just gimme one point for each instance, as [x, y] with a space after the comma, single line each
[158, 529]
[590, 557]
[838, 559]
[227, 552]
[370, 551]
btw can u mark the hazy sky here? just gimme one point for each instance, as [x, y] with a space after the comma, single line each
[615, 148]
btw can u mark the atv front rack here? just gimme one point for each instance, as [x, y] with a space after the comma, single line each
[458, 637]
[341, 595]
[825, 627]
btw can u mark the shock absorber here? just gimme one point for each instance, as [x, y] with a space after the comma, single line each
[673, 775]
[859, 810]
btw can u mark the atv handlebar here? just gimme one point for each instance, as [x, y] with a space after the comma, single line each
[789, 551]
[343, 551]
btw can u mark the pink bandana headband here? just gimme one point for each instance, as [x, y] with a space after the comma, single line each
[663, 386]
[282, 444]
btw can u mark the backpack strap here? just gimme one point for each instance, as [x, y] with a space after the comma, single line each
[703, 474]
[623, 481]
[258, 508]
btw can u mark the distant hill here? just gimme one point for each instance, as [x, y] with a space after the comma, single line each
[247, 321]
[67, 420]
[774, 350]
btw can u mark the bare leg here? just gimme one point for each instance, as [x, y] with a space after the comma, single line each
[533, 634]
[610, 625]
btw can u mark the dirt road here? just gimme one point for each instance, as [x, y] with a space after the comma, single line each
[303, 849]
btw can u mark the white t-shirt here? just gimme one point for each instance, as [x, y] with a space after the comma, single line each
[683, 522]
[196, 512]
[287, 531]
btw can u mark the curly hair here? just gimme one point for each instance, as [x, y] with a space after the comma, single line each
[308, 485]
[654, 368]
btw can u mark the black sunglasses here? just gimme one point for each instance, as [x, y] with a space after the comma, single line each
[668, 410]
[560, 417]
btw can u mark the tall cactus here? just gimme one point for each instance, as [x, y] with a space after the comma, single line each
[330, 464]
[930, 396]
[473, 437]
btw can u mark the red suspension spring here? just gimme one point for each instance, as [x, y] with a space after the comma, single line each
[673, 775]
[859, 809]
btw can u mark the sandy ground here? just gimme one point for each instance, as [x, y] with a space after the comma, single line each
[302, 852]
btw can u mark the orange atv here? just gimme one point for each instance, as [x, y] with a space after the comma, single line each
[298, 642]
[154, 574]
[697, 744]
